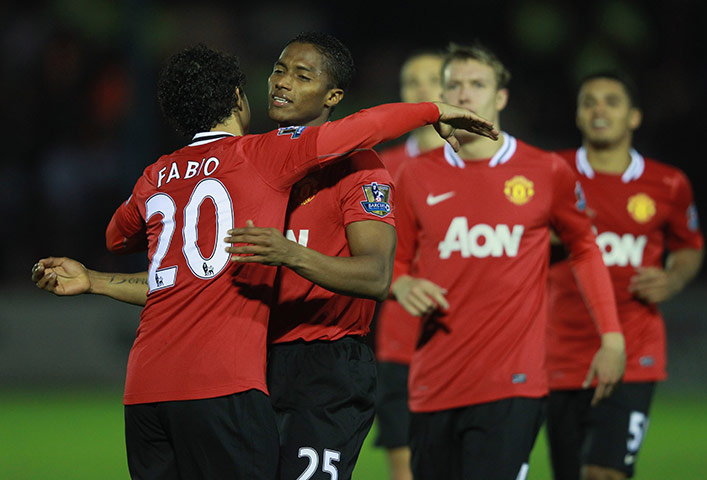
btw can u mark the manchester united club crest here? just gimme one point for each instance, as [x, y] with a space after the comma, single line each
[377, 199]
[305, 190]
[641, 207]
[519, 190]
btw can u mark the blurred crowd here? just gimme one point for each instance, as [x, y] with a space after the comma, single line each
[80, 120]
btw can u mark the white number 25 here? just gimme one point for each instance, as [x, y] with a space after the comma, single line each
[327, 466]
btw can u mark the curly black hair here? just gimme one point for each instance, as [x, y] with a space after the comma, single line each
[197, 88]
[338, 60]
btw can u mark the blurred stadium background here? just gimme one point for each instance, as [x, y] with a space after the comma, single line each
[80, 122]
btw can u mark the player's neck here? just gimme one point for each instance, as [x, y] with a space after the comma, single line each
[478, 148]
[427, 138]
[613, 159]
[232, 125]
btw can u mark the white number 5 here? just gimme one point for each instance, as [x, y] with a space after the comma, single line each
[638, 424]
[327, 466]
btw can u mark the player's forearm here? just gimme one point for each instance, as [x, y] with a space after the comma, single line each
[365, 276]
[124, 287]
[682, 266]
[372, 126]
[597, 289]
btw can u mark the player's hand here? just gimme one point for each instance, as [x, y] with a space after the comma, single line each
[260, 245]
[61, 276]
[419, 296]
[452, 118]
[653, 285]
[607, 366]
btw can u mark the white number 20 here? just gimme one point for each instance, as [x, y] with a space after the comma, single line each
[164, 276]
[327, 466]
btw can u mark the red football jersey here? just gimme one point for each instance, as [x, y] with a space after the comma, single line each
[202, 332]
[480, 229]
[321, 206]
[637, 216]
[396, 330]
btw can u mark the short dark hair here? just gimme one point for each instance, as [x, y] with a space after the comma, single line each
[622, 77]
[419, 53]
[482, 54]
[338, 60]
[197, 88]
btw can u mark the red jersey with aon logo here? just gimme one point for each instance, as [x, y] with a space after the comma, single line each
[481, 229]
[321, 206]
[637, 216]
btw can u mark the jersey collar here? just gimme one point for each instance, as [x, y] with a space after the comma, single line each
[633, 171]
[205, 137]
[412, 147]
[501, 156]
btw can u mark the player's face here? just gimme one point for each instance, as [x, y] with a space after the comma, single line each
[472, 85]
[299, 88]
[604, 113]
[420, 80]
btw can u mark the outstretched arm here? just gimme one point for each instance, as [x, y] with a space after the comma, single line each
[375, 125]
[366, 273]
[65, 276]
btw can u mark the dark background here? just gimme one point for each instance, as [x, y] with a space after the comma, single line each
[80, 120]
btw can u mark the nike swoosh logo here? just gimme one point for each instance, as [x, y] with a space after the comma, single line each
[435, 199]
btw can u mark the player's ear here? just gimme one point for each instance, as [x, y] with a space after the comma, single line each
[501, 99]
[333, 97]
[635, 117]
[240, 102]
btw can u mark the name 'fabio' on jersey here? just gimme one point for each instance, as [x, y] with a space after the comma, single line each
[480, 229]
[637, 215]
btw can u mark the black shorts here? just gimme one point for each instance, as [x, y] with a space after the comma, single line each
[392, 411]
[324, 399]
[230, 437]
[608, 435]
[489, 441]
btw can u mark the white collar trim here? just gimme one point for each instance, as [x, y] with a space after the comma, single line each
[501, 156]
[412, 147]
[202, 138]
[633, 171]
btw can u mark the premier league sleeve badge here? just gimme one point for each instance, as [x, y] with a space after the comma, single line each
[377, 199]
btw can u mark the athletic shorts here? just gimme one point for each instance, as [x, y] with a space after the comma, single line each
[608, 435]
[323, 394]
[392, 411]
[488, 441]
[230, 437]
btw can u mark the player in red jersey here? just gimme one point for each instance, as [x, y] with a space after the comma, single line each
[336, 260]
[642, 211]
[395, 340]
[476, 227]
[229, 324]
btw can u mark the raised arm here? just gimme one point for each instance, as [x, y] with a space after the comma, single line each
[372, 126]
